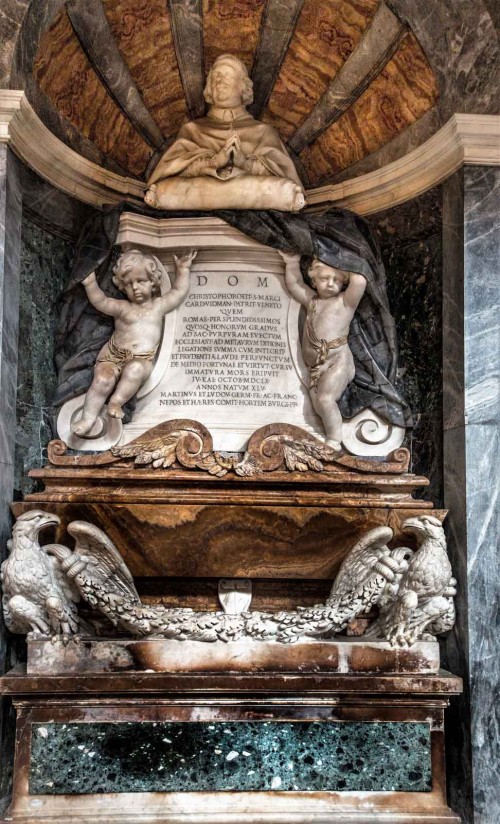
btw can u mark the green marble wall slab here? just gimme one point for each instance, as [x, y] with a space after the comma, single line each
[242, 756]
[411, 246]
[45, 269]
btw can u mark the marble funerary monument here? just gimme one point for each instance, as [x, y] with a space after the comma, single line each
[229, 577]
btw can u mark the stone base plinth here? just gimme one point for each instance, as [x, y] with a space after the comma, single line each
[216, 748]
[346, 655]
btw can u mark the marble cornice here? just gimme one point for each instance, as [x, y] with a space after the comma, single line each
[35, 145]
[465, 139]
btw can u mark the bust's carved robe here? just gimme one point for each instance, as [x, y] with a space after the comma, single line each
[199, 140]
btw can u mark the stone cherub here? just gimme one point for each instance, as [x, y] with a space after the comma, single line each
[330, 310]
[226, 159]
[126, 360]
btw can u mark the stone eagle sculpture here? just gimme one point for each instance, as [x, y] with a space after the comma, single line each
[423, 606]
[412, 590]
[38, 598]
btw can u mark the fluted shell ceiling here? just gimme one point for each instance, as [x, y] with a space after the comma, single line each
[338, 79]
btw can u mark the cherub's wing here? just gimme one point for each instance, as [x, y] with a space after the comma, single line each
[359, 564]
[105, 564]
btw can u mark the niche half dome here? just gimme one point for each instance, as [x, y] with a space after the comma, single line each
[338, 79]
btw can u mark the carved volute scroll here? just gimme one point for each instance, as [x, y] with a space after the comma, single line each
[185, 443]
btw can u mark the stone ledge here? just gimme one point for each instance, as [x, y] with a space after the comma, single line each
[258, 685]
[342, 656]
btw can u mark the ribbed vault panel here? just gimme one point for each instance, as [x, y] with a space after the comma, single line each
[143, 33]
[65, 75]
[403, 91]
[324, 37]
[231, 27]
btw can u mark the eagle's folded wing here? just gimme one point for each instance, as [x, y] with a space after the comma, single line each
[105, 565]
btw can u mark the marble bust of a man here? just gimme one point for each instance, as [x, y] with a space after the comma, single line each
[226, 159]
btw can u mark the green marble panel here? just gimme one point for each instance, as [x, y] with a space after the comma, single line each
[411, 247]
[237, 755]
[45, 268]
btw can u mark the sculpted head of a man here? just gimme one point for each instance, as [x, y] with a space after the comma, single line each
[228, 84]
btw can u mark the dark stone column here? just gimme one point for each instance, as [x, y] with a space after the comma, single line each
[471, 400]
[10, 253]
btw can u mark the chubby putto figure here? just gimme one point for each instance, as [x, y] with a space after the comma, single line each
[126, 360]
[330, 309]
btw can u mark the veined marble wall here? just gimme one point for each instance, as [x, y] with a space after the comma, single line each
[51, 223]
[39, 262]
[471, 389]
[411, 244]
[45, 266]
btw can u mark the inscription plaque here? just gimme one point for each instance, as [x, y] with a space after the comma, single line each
[230, 355]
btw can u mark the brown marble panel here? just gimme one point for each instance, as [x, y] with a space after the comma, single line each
[216, 541]
[65, 75]
[403, 91]
[231, 27]
[325, 36]
[143, 32]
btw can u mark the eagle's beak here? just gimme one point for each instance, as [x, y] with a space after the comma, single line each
[412, 525]
[50, 520]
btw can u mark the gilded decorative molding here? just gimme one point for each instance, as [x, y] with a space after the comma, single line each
[464, 139]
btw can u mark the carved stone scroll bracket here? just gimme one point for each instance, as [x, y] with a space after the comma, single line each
[367, 435]
[282, 447]
[180, 442]
[273, 448]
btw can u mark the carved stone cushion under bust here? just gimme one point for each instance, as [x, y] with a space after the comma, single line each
[245, 191]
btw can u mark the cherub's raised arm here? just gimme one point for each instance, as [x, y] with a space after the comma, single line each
[179, 290]
[99, 299]
[355, 291]
[294, 280]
